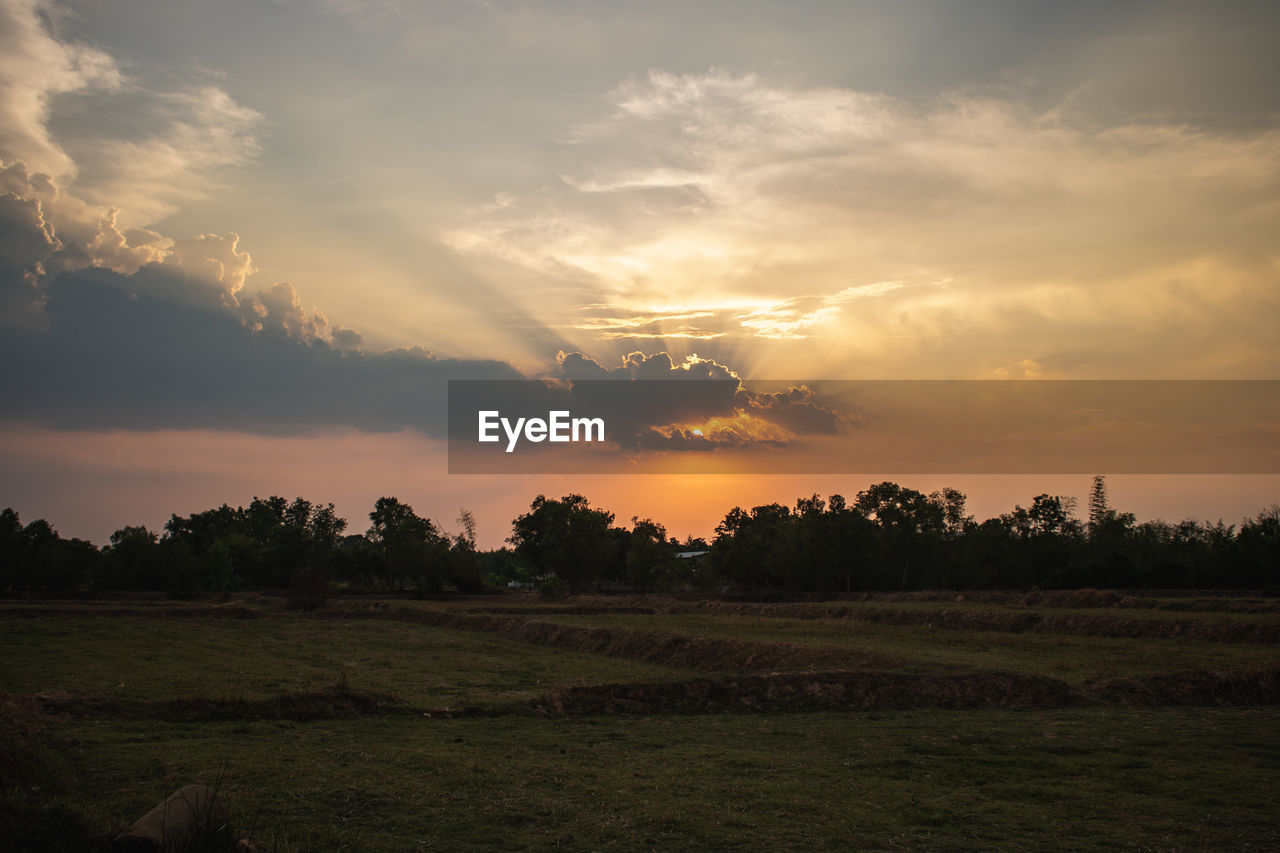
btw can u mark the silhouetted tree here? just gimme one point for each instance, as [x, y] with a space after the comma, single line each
[568, 538]
[755, 549]
[464, 561]
[911, 523]
[648, 554]
[889, 537]
[1098, 509]
[12, 552]
[133, 560]
[1045, 542]
[409, 548]
[1259, 550]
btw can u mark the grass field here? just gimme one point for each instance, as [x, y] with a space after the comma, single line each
[461, 725]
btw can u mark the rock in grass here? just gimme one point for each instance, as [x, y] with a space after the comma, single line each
[190, 814]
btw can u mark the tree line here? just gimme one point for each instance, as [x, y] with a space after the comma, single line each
[887, 537]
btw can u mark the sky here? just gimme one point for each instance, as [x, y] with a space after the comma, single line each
[244, 245]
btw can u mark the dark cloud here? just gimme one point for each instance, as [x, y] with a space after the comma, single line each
[666, 400]
[797, 410]
[346, 339]
[159, 349]
[637, 365]
[681, 439]
[182, 344]
[27, 241]
[655, 390]
[26, 238]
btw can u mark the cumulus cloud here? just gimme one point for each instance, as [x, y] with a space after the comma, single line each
[125, 328]
[81, 200]
[75, 205]
[652, 401]
[167, 138]
[16, 179]
[216, 258]
[638, 365]
[164, 348]
[26, 239]
[159, 349]
[214, 267]
[346, 339]
[279, 311]
[125, 252]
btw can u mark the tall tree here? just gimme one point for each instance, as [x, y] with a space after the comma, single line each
[1098, 509]
[12, 548]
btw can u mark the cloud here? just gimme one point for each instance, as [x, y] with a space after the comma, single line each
[27, 241]
[346, 339]
[158, 349]
[609, 323]
[216, 258]
[125, 252]
[76, 199]
[797, 410]
[166, 347]
[34, 68]
[734, 432]
[141, 146]
[181, 138]
[723, 206]
[279, 311]
[794, 318]
[797, 317]
[14, 178]
[637, 365]
[130, 330]
[694, 404]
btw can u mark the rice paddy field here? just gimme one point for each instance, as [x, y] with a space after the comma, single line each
[1069, 721]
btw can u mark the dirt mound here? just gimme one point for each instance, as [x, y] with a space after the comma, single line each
[1072, 623]
[687, 652]
[334, 703]
[1208, 601]
[197, 612]
[886, 691]
[823, 691]
[564, 610]
[657, 647]
[1198, 687]
[966, 619]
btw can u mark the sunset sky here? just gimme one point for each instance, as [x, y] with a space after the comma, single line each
[244, 244]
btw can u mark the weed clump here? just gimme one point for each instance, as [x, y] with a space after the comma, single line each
[31, 782]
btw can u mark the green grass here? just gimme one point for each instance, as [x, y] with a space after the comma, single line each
[1074, 659]
[1087, 779]
[1169, 610]
[1082, 778]
[1205, 615]
[139, 658]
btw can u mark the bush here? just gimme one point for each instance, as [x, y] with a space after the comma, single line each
[308, 591]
